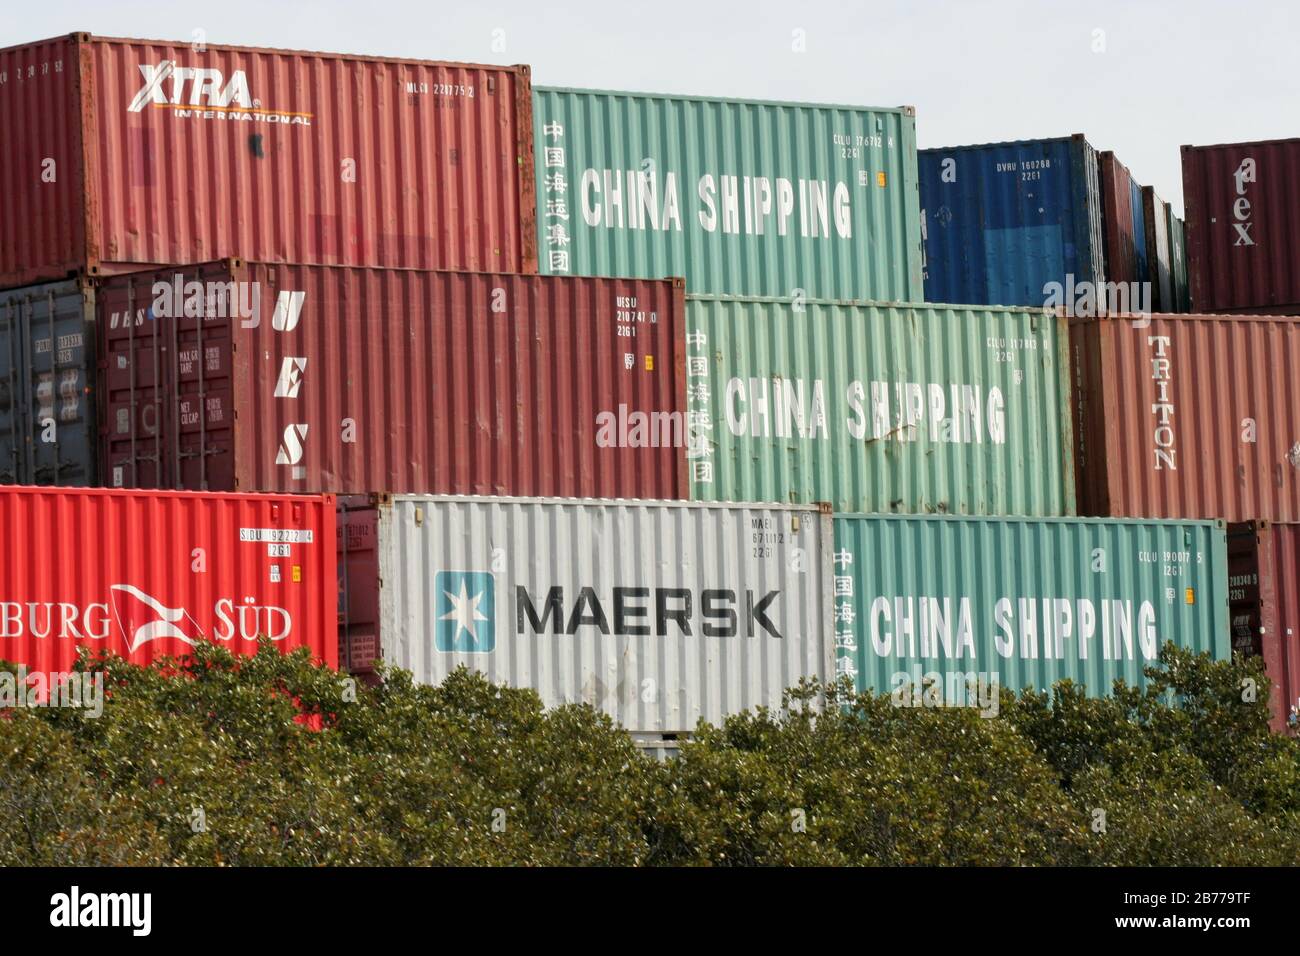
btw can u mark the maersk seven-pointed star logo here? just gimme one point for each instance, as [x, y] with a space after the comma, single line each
[466, 611]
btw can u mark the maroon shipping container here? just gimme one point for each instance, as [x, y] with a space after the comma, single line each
[358, 607]
[341, 379]
[1119, 220]
[1264, 592]
[147, 574]
[1187, 416]
[121, 154]
[1242, 204]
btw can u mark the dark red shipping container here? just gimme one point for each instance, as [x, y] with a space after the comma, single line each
[146, 574]
[1124, 263]
[1264, 592]
[1187, 416]
[295, 378]
[358, 607]
[1242, 205]
[122, 154]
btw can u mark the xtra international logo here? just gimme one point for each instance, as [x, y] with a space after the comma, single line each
[199, 93]
[466, 611]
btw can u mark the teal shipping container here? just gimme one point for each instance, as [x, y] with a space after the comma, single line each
[980, 603]
[1178, 263]
[740, 197]
[879, 407]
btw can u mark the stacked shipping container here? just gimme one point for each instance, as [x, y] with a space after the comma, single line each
[1155, 219]
[1242, 201]
[740, 197]
[660, 614]
[146, 575]
[1123, 222]
[302, 157]
[1264, 581]
[1092, 601]
[773, 393]
[1187, 416]
[351, 380]
[877, 407]
[48, 427]
[1005, 221]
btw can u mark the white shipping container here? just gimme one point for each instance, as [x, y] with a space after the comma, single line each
[658, 613]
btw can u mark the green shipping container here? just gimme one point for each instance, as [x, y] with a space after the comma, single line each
[1178, 262]
[740, 197]
[1021, 602]
[919, 409]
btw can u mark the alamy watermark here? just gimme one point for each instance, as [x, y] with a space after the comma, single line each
[633, 428]
[83, 690]
[978, 690]
[1087, 299]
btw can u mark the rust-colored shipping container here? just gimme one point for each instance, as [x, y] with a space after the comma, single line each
[1122, 222]
[1242, 203]
[297, 378]
[120, 154]
[1264, 594]
[1187, 416]
[147, 574]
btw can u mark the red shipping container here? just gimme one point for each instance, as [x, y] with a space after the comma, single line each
[1264, 593]
[1242, 204]
[146, 574]
[1118, 218]
[352, 381]
[1187, 416]
[121, 154]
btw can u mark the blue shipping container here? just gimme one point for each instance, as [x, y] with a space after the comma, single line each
[1003, 220]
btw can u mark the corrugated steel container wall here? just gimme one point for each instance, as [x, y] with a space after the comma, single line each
[49, 433]
[1178, 262]
[372, 380]
[1002, 221]
[1155, 214]
[740, 197]
[42, 164]
[880, 407]
[1264, 591]
[1086, 600]
[162, 153]
[143, 575]
[1122, 222]
[1242, 202]
[658, 613]
[1188, 416]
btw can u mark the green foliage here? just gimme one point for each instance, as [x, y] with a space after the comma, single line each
[269, 760]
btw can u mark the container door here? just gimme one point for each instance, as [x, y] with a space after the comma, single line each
[1245, 589]
[358, 569]
[201, 417]
[14, 386]
[169, 418]
[47, 416]
[62, 423]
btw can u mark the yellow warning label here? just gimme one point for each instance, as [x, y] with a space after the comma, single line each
[649, 363]
[880, 179]
[297, 573]
[1191, 595]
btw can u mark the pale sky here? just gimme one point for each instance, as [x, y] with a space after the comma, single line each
[977, 71]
